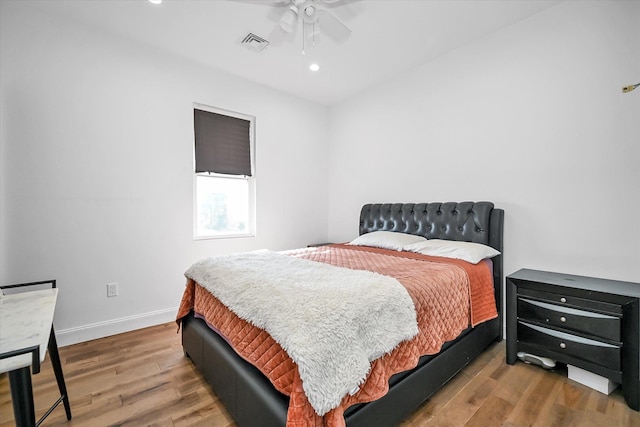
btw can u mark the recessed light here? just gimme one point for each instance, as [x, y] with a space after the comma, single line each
[314, 67]
[155, 1]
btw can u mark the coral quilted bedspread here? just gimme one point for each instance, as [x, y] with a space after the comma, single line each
[449, 296]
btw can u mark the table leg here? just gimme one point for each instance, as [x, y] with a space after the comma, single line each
[57, 369]
[22, 397]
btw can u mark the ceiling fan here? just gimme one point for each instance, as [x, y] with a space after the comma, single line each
[312, 16]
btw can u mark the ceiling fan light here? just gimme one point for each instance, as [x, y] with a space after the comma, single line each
[310, 10]
[314, 67]
[289, 19]
[310, 14]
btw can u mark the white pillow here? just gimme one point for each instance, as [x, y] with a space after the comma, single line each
[467, 251]
[387, 240]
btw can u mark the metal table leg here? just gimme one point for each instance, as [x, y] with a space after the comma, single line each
[22, 397]
[57, 369]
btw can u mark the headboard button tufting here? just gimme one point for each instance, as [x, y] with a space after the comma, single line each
[451, 220]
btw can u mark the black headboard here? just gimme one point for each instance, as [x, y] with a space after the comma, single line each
[466, 221]
[477, 222]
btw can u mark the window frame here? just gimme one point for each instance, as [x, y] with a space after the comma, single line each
[251, 180]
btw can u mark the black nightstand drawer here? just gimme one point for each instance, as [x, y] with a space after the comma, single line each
[573, 301]
[585, 322]
[574, 346]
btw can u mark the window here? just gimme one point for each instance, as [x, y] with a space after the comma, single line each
[224, 173]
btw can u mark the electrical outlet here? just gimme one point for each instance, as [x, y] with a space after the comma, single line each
[112, 289]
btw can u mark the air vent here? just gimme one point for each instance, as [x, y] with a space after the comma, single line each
[254, 42]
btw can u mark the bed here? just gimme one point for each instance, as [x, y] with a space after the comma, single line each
[252, 399]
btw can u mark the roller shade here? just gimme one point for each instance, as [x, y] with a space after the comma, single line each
[222, 143]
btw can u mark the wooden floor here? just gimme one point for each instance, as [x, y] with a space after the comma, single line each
[142, 378]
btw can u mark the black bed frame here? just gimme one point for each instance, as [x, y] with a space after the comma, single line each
[253, 401]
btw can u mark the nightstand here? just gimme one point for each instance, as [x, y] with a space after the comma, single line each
[593, 324]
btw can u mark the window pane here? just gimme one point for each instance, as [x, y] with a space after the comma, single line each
[222, 206]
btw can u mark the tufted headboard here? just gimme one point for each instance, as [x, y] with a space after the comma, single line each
[466, 221]
[477, 222]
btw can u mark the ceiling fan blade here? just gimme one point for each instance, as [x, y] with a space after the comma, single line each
[332, 26]
[289, 19]
[265, 2]
[277, 36]
[336, 3]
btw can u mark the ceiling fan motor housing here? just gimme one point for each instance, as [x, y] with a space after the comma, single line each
[306, 9]
[310, 12]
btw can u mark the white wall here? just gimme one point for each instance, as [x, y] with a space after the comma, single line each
[96, 170]
[532, 118]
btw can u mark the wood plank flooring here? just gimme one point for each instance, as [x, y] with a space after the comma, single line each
[142, 378]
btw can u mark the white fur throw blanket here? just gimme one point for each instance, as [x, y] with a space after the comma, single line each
[331, 321]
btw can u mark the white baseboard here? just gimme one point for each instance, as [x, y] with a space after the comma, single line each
[116, 326]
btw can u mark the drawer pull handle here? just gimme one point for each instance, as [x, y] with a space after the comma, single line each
[563, 299]
[563, 345]
[563, 319]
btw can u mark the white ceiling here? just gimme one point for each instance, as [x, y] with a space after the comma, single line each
[388, 37]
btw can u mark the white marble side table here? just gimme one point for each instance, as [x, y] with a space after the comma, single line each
[26, 332]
